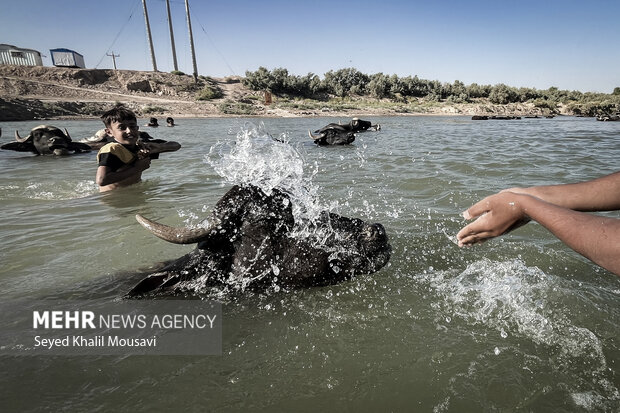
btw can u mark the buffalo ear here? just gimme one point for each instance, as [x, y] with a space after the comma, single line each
[19, 147]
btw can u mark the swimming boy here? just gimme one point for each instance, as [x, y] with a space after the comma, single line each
[122, 161]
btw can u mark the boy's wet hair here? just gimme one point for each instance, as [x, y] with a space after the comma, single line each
[118, 113]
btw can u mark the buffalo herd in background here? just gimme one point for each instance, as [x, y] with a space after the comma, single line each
[50, 140]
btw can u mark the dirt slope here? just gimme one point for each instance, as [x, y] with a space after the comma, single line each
[44, 92]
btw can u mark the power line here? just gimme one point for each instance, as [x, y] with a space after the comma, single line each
[119, 33]
[214, 46]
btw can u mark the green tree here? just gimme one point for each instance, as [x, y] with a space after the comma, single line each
[458, 88]
[258, 80]
[379, 86]
[478, 91]
[502, 94]
[345, 82]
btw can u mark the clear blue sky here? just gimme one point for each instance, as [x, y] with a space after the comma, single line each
[569, 44]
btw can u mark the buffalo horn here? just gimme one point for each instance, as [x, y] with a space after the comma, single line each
[67, 133]
[182, 235]
[315, 137]
[19, 138]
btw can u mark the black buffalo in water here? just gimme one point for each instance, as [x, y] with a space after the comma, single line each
[46, 140]
[336, 134]
[248, 241]
[145, 141]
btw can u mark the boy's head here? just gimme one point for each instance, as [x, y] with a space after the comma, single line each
[118, 113]
[122, 125]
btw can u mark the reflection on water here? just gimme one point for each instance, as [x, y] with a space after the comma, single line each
[517, 324]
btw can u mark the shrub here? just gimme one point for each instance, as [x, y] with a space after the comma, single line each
[152, 109]
[350, 82]
[502, 94]
[345, 82]
[233, 108]
[210, 92]
[280, 82]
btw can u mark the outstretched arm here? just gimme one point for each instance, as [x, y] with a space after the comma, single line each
[156, 146]
[601, 194]
[595, 237]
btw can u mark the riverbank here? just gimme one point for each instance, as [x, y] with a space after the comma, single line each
[31, 93]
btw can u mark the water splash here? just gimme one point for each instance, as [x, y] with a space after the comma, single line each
[256, 158]
[516, 300]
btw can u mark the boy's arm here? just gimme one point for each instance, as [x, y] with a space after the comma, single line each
[158, 146]
[595, 237]
[601, 194]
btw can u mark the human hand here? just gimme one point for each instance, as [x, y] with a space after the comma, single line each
[143, 150]
[496, 215]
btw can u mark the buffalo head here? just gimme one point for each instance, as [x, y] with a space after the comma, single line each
[146, 142]
[249, 241]
[332, 134]
[46, 140]
[337, 134]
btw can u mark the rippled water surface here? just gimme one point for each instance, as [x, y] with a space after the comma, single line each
[521, 323]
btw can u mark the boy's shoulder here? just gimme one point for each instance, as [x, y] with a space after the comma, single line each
[118, 150]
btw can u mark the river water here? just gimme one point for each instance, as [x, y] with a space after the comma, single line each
[520, 323]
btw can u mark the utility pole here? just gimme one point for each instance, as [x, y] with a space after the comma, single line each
[174, 52]
[191, 41]
[114, 56]
[148, 34]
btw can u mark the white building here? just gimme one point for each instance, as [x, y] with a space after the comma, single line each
[67, 58]
[13, 55]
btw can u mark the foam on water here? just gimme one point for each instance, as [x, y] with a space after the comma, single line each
[59, 191]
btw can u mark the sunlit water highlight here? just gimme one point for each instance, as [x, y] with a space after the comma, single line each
[518, 324]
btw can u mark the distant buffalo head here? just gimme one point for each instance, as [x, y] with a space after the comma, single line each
[46, 140]
[337, 134]
[332, 134]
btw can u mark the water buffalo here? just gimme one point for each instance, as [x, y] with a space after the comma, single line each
[249, 242]
[145, 141]
[608, 118]
[336, 134]
[46, 140]
[99, 139]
